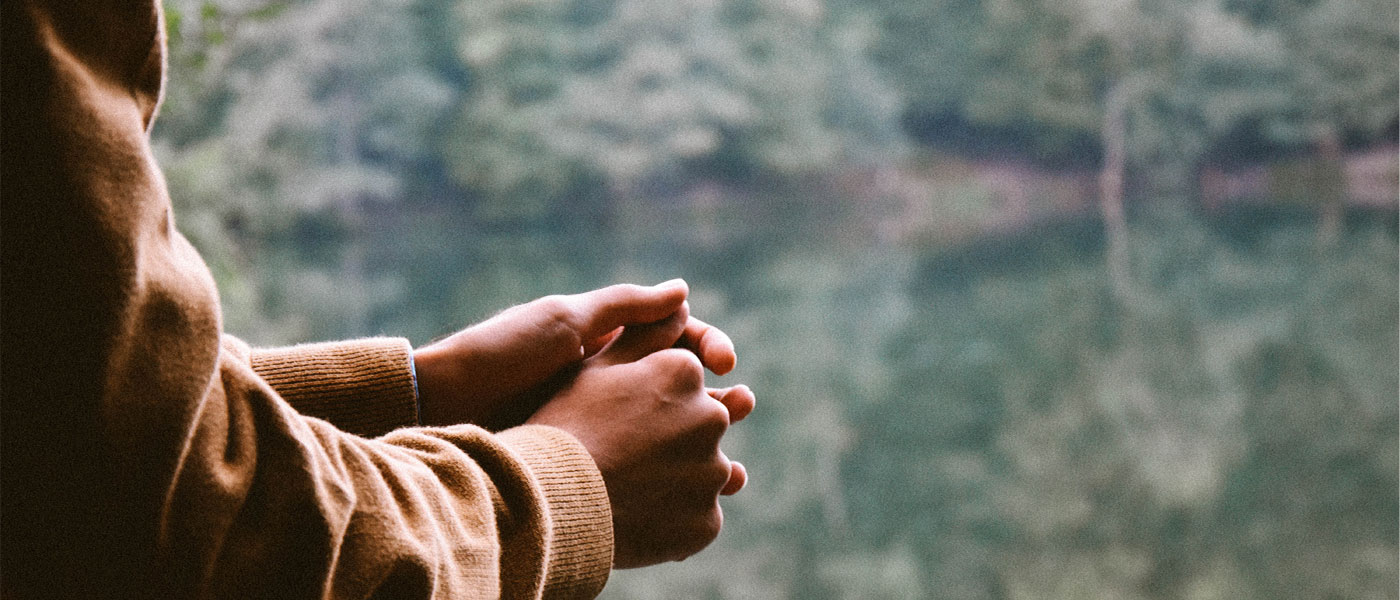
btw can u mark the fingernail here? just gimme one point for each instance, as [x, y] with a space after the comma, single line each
[677, 282]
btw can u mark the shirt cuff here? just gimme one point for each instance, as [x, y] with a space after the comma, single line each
[581, 545]
[365, 387]
[417, 398]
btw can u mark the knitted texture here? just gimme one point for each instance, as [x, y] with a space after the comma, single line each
[361, 386]
[144, 454]
[581, 552]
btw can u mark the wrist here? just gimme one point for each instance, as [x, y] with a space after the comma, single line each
[432, 382]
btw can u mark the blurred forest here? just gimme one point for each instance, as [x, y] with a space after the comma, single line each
[1050, 299]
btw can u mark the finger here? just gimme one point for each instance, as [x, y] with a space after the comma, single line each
[715, 349]
[603, 310]
[592, 346]
[637, 341]
[738, 399]
[738, 477]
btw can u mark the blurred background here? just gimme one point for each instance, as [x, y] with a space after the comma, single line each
[1050, 299]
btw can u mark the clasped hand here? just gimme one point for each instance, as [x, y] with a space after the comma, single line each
[622, 369]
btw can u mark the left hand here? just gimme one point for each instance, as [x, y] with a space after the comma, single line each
[496, 373]
[641, 409]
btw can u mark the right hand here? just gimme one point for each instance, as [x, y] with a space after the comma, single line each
[641, 409]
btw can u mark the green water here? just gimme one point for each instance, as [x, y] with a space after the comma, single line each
[988, 419]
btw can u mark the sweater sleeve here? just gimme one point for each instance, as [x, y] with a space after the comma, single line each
[362, 386]
[144, 458]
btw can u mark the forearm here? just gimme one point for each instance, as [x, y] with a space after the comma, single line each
[144, 459]
[304, 509]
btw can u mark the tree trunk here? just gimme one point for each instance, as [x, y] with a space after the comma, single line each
[1330, 185]
[1111, 189]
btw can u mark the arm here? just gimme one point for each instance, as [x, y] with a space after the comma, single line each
[142, 459]
[364, 386]
[494, 374]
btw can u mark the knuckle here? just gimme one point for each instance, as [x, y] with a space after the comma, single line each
[709, 526]
[558, 316]
[684, 366]
[715, 476]
[714, 417]
[555, 306]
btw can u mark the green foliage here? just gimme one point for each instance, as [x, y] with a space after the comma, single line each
[967, 411]
[1033, 76]
[1341, 62]
[281, 121]
[1017, 433]
[635, 89]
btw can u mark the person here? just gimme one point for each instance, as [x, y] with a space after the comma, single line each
[146, 454]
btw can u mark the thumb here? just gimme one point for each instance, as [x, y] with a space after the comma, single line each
[638, 341]
[602, 311]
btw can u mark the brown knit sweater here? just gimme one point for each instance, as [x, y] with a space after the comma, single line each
[146, 455]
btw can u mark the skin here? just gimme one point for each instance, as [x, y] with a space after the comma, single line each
[496, 373]
[622, 369]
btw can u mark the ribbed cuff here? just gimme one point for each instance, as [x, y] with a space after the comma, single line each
[361, 386]
[581, 545]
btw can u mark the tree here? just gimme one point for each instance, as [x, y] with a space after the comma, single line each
[279, 123]
[632, 90]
